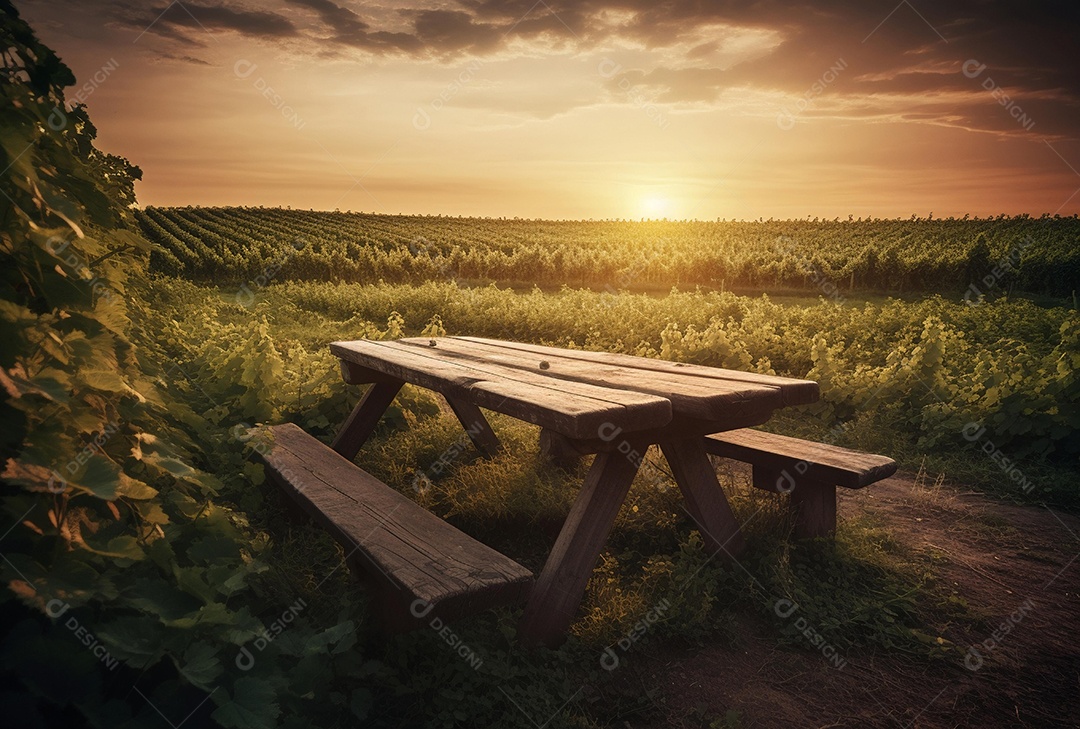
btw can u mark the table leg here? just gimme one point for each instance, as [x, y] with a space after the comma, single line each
[555, 597]
[365, 416]
[705, 500]
[476, 426]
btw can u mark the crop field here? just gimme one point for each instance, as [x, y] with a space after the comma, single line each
[239, 334]
[1038, 255]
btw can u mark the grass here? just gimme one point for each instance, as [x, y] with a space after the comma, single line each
[865, 593]
[862, 585]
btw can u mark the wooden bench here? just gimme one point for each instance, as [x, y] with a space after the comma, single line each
[809, 471]
[420, 566]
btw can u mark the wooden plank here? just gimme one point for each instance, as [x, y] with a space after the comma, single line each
[575, 409]
[354, 374]
[429, 363]
[404, 548]
[708, 399]
[361, 422]
[771, 480]
[559, 450]
[476, 427]
[554, 599]
[802, 458]
[814, 504]
[705, 500]
[561, 445]
[794, 391]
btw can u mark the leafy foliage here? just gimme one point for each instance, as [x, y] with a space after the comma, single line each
[127, 572]
[922, 371]
[141, 577]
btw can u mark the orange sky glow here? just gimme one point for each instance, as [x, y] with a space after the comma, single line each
[594, 109]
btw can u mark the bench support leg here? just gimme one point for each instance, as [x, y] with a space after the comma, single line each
[555, 597]
[772, 480]
[365, 416]
[705, 500]
[814, 504]
[476, 427]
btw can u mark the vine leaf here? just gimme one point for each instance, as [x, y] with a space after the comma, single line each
[201, 666]
[251, 706]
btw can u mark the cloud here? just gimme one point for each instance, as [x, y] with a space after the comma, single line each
[182, 20]
[896, 67]
[192, 60]
[350, 30]
[903, 62]
[343, 20]
[453, 31]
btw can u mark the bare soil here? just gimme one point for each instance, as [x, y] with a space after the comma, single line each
[1003, 560]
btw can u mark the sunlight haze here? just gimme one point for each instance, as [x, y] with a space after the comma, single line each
[579, 110]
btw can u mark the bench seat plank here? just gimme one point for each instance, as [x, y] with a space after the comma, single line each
[407, 548]
[815, 461]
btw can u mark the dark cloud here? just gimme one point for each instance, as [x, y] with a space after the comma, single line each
[185, 21]
[341, 19]
[453, 31]
[909, 56]
[192, 60]
[348, 29]
[1031, 46]
[907, 65]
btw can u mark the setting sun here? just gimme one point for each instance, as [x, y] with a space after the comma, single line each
[655, 206]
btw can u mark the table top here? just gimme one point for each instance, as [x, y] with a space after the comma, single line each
[577, 393]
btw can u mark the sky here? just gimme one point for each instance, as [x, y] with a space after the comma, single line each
[585, 109]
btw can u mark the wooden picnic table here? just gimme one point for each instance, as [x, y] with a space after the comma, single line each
[611, 405]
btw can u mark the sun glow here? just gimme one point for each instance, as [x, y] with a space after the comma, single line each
[655, 206]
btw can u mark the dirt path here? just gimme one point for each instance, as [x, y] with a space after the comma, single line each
[1013, 565]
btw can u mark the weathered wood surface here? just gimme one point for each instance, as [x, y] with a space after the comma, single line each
[573, 408]
[792, 391]
[704, 398]
[590, 402]
[813, 503]
[611, 438]
[476, 427]
[559, 450]
[354, 374]
[705, 500]
[558, 591]
[793, 459]
[809, 472]
[411, 554]
[361, 422]
[814, 506]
